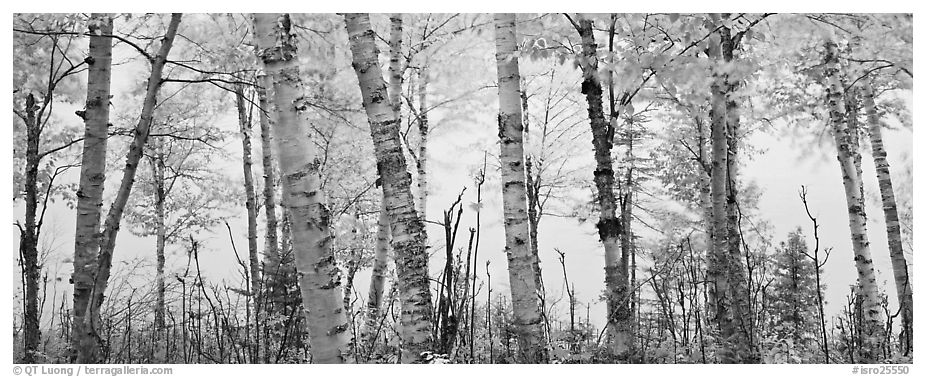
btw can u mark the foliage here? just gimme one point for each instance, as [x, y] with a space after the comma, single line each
[793, 320]
[655, 73]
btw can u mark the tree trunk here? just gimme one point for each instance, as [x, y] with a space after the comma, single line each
[704, 178]
[29, 237]
[244, 124]
[627, 326]
[532, 183]
[89, 350]
[160, 196]
[272, 245]
[521, 274]
[381, 249]
[395, 98]
[409, 240]
[725, 268]
[852, 126]
[422, 162]
[156, 160]
[894, 241]
[285, 269]
[719, 258]
[626, 241]
[625, 317]
[609, 226]
[377, 281]
[92, 178]
[395, 65]
[707, 208]
[299, 166]
[740, 292]
[868, 293]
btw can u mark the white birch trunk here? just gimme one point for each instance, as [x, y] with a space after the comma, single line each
[272, 257]
[381, 249]
[92, 175]
[160, 196]
[521, 274]
[423, 129]
[378, 280]
[319, 279]
[244, 124]
[91, 342]
[409, 240]
[892, 220]
[868, 292]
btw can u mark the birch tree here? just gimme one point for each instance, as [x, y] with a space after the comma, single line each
[868, 295]
[381, 249]
[678, 108]
[302, 196]
[158, 168]
[892, 220]
[271, 236]
[521, 273]
[244, 123]
[92, 177]
[90, 339]
[421, 161]
[378, 279]
[409, 241]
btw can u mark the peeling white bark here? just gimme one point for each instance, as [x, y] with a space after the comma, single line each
[319, 278]
[409, 240]
[521, 274]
